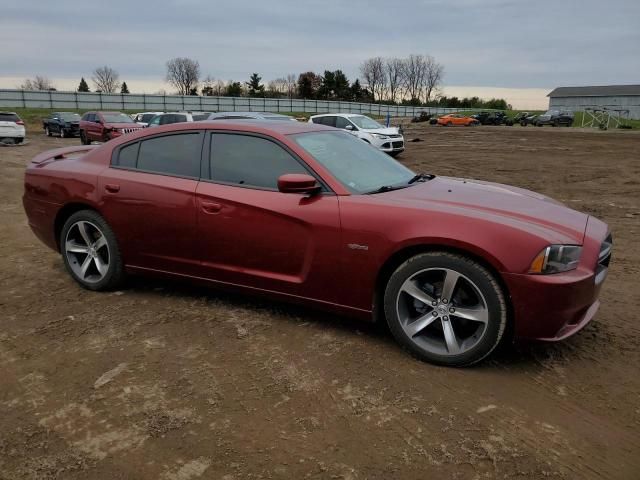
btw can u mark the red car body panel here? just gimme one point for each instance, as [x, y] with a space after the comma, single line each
[327, 250]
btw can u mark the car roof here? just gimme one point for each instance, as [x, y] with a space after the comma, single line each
[339, 115]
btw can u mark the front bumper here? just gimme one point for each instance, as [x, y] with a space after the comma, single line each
[390, 145]
[554, 307]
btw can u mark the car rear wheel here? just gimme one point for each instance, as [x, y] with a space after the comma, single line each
[83, 138]
[90, 251]
[445, 308]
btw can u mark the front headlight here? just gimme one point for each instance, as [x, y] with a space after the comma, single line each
[556, 258]
[380, 136]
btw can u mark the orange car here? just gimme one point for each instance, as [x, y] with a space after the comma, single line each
[457, 119]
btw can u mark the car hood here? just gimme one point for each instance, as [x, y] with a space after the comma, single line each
[524, 209]
[382, 131]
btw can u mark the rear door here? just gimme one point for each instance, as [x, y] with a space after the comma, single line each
[251, 234]
[148, 197]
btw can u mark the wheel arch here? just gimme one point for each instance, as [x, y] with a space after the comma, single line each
[64, 213]
[399, 256]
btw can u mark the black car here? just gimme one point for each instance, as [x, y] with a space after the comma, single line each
[525, 118]
[64, 124]
[493, 118]
[554, 118]
[423, 117]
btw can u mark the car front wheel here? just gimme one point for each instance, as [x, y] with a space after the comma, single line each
[445, 308]
[90, 251]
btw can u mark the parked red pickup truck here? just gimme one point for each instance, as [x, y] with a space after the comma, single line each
[104, 126]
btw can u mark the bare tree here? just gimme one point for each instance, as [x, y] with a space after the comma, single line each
[434, 72]
[393, 68]
[183, 73]
[292, 84]
[413, 76]
[37, 83]
[105, 79]
[278, 86]
[372, 71]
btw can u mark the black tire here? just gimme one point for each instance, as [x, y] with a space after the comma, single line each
[18, 140]
[394, 154]
[483, 279]
[47, 132]
[114, 275]
[83, 138]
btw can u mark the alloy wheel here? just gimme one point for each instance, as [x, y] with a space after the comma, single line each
[442, 311]
[87, 251]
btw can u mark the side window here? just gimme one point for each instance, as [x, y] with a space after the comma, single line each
[156, 120]
[165, 119]
[342, 122]
[177, 155]
[251, 161]
[329, 121]
[128, 156]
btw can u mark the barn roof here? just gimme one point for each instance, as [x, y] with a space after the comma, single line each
[596, 91]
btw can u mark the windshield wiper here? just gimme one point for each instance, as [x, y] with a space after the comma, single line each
[384, 188]
[421, 177]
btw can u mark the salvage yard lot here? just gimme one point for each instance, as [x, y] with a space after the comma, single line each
[170, 381]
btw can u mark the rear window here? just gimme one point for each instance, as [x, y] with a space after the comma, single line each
[9, 117]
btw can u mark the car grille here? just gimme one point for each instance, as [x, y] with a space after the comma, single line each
[394, 135]
[604, 258]
[129, 130]
[397, 144]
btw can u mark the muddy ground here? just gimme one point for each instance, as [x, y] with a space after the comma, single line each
[169, 381]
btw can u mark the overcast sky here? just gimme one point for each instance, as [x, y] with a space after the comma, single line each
[528, 47]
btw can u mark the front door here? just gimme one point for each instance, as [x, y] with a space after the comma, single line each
[251, 234]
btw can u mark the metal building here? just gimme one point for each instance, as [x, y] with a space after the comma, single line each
[624, 99]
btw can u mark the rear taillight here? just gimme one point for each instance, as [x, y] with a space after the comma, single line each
[19, 122]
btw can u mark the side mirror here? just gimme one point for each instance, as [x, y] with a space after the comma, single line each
[298, 183]
[349, 127]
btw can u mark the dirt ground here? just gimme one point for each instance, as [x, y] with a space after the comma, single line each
[170, 381]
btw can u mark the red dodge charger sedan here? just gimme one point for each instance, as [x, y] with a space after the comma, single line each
[306, 213]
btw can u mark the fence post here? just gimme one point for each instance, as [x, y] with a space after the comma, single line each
[50, 100]
[100, 93]
[76, 97]
[233, 100]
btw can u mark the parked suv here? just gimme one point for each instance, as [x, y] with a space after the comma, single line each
[65, 124]
[177, 117]
[11, 127]
[387, 139]
[555, 118]
[104, 126]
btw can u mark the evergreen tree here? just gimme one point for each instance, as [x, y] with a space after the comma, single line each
[234, 89]
[124, 88]
[256, 89]
[83, 87]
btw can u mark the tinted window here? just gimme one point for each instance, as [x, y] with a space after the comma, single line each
[128, 156]
[116, 118]
[251, 161]
[172, 154]
[342, 122]
[9, 117]
[146, 117]
[155, 120]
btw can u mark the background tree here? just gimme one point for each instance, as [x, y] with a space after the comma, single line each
[183, 73]
[413, 77]
[393, 72]
[234, 89]
[432, 77]
[124, 89]
[37, 83]
[327, 86]
[256, 89]
[308, 84]
[83, 87]
[207, 86]
[291, 85]
[372, 71]
[105, 79]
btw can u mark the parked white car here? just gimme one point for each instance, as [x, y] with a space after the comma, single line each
[144, 117]
[177, 117]
[387, 139]
[11, 127]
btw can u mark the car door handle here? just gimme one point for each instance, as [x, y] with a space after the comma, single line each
[211, 208]
[112, 188]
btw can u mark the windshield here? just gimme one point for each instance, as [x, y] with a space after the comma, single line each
[69, 116]
[365, 122]
[116, 118]
[356, 164]
[146, 117]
